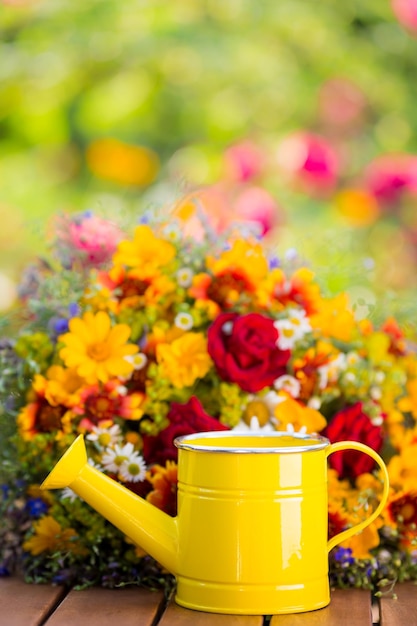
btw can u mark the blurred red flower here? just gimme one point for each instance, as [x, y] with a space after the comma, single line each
[353, 424]
[185, 419]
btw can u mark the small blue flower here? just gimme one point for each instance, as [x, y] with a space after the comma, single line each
[274, 263]
[4, 571]
[5, 490]
[61, 326]
[61, 577]
[73, 309]
[344, 556]
[36, 507]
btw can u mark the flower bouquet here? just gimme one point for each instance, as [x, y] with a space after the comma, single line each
[134, 339]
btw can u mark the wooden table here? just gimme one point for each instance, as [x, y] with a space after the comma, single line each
[22, 604]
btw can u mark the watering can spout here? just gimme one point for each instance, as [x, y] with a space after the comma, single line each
[146, 525]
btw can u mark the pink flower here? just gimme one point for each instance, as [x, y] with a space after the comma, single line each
[310, 162]
[244, 161]
[95, 236]
[87, 238]
[256, 205]
[341, 104]
[224, 205]
[406, 13]
[389, 177]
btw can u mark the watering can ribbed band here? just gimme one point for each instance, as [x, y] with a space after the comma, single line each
[242, 493]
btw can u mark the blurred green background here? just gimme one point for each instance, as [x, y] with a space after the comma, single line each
[120, 106]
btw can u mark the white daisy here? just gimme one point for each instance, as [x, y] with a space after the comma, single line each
[69, 494]
[185, 277]
[314, 403]
[184, 321]
[172, 232]
[330, 372]
[113, 458]
[253, 426]
[138, 360]
[292, 328]
[291, 430]
[105, 436]
[288, 383]
[134, 469]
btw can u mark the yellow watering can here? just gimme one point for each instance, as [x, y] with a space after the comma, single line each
[251, 532]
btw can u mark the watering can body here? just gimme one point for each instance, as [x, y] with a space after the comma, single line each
[250, 536]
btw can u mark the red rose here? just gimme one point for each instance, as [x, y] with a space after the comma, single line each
[352, 424]
[185, 419]
[244, 350]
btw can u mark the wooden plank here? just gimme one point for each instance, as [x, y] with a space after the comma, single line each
[348, 607]
[402, 610]
[22, 604]
[108, 607]
[178, 616]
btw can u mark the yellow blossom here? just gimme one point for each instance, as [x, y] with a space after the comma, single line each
[402, 468]
[185, 359]
[408, 404]
[248, 257]
[377, 345]
[363, 542]
[60, 386]
[289, 411]
[95, 349]
[334, 318]
[122, 163]
[51, 537]
[147, 253]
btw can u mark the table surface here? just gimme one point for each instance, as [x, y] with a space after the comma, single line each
[22, 604]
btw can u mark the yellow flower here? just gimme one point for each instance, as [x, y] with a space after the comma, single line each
[60, 385]
[402, 468]
[334, 318]
[408, 404]
[244, 256]
[147, 253]
[51, 537]
[358, 206]
[95, 349]
[184, 360]
[299, 416]
[362, 543]
[122, 163]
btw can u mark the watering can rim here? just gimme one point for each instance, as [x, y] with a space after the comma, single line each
[193, 443]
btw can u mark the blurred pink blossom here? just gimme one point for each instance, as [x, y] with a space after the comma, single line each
[406, 13]
[256, 205]
[389, 177]
[310, 161]
[222, 207]
[93, 237]
[244, 161]
[341, 104]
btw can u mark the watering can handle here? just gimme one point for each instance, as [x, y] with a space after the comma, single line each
[353, 445]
